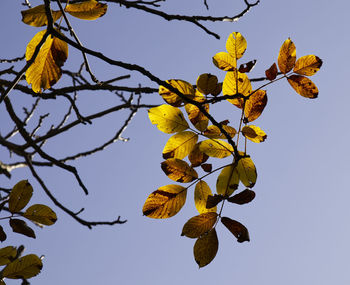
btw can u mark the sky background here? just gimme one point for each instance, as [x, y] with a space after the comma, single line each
[299, 220]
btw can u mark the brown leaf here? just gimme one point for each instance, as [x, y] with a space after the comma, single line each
[255, 105]
[178, 170]
[303, 86]
[247, 67]
[244, 197]
[205, 248]
[236, 228]
[199, 225]
[207, 167]
[272, 72]
[212, 201]
[2, 234]
[197, 157]
[21, 227]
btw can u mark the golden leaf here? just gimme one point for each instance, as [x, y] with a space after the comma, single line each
[255, 105]
[36, 16]
[46, 69]
[179, 170]
[272, 72]
[197, 118]
[7, 255]
[286, 56]
[168, 119]
[20, 196]
[41, 214]
[214, 132]
[197, 157]
[206, 83]
[227, 181]
[165, 202]
[303, 86]
[308, 65]
[21, 227]
[23, 268]
[199, 225]
[205, 248]
[88, 10]
[172, 98]
[224, 61]
[236, 83]
[216, 148]
[180, 145]
[247, 172]
[236, 45]
[236, 228]
[201, 193]
[254, 133]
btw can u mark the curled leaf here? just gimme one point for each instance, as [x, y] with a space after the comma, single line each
[244, 197]
[272, 72]
[3, 235]
[247, 67]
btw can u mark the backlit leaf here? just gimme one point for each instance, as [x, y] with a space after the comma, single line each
[247, 67]
[247, 172]
[197, 157]
[199, 225]
[179, 170]
[205, 248]
[255, 105]
[212, 132]
[212, 201]
[197, 118]
[172, 98]
[244, 197]
[201, 193]
[224, 61]
[216, 148]
[217, 90]
[41, 214]
[236, 228]
[303, 86]
[25, 267]
[165, 202]
[272, 72]
[46, 69]
[228, 180]
[3, 235]
[286, 56]
[308, 65]
[168, 119]
[254, 133]
[36, 16]
[180, 145]
[7, 255]
[88, 10]
[20, 196]
[21, 227]
[236, 83]
[206, 83]
[236, 45]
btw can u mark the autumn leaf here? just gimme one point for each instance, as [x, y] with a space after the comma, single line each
[236, 228]
[196, 156]
[21, 227]
[7, 255]
[216, 148]
[206, 83]
[168, 119]
[180, 145]
[243, 197]
[179, 170]
[36, 16]
[88, 10]
[205, 248]
[199, 225]
[201, 193]
[20, 196]
[247, 172]
[286, 56]
[272, 72]
[255, 105]
[236, 45]
[41, 214]
[212, 201]
[165, 202]
[308, 65]
[228, 180]
[172, 98]
[197, 118]
[303, 86]
[247, 67]
[254, 133]
[207, 167]
[236, 83]
[23, 268]
[3, 235]
[46, 69]
[224, 61]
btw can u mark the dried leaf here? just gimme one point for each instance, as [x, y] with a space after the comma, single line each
[236, 228]
[179, 170]
[180, 145]
[286, 56]
[205, 248]
[244, 197]
[212, 201]
[23, 268]
[36, 16]
[308, 65]
[21, 227]
[272, 72]
[201, 194]
[207, 167]
[199, 225]
[41, 214]
[20, 196]
[303, 86]
[247, 67]
[3, 235]
[88, 10]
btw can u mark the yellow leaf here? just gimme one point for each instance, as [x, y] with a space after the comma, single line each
[36, 16]
[199, 225]
[7, 255]
[214, 132]
[25, 267]
[227, 181]
[88, 10]
[236, 83]
[197, 157]
[197, 118]
[20, 196]
[303, 86]
[165, 202]
[224, 61]
[236, 228]
[216, 148]
[247, 172]
[179, 170]
[286, 56]
[168, 119]
[46, 69]
[206, 83]
[201, 193]
[255, 105]
[205, 248]
[236, 45]
[180, 145]
[172, 98]
[308, 65]
[254, 133]
[41, 214]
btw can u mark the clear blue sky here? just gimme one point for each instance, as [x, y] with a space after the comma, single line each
[299, 221]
